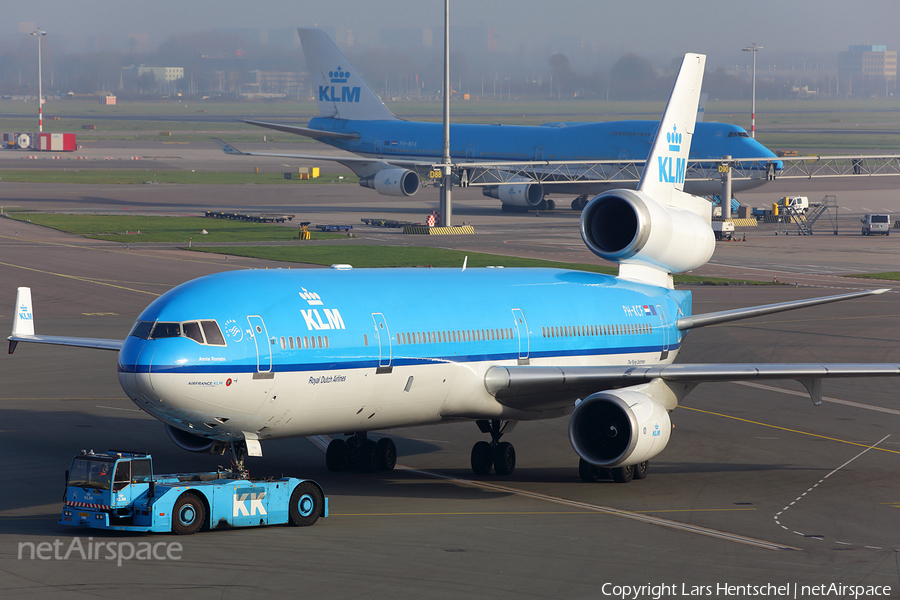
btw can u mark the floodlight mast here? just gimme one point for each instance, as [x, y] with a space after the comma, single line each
[754, 49]
[40, 33]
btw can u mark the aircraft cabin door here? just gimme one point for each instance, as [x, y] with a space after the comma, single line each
[378, 151]
[522, 334]
[260, 336]
[383, 337]
[665, 332]
[470, 153]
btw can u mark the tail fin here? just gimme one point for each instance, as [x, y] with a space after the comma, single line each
[340, 90]
[23, 321]
[663, 176]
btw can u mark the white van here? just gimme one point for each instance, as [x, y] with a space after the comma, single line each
[876, 224]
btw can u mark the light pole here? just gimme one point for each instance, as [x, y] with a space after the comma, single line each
[39, 33]
[754, 49]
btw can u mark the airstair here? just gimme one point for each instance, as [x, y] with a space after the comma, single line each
[804, 221]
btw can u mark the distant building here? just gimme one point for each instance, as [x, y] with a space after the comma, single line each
[867, 70]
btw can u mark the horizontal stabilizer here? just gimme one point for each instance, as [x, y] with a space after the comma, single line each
[694, 321]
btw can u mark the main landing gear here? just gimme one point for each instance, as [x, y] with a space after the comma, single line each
[499, 455]
[590, 473]
[361, 453]
[238, 454]
[579, 203]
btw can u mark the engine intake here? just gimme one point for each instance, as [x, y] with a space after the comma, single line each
[194, 443]
[519, 194]
[392, 182]
[616, 428]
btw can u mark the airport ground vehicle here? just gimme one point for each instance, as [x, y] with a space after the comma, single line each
[723, 230]
[117, 490]
[798, 203]
[876, 224]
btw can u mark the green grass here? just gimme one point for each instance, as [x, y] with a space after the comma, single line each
[134, 176]
[888, 276]
[166, 229]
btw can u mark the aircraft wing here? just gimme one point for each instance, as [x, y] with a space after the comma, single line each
[305, 131]
[344, 160]
[543, 388]
[23, 329]
[96, 343]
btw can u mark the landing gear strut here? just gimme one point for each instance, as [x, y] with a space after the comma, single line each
[238, 454]
[499, 455]
[361, 453]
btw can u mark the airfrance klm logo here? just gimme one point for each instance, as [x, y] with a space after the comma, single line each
[24, 313]
[248, 502]
[312, 317]
[671, 169]
[329, 93]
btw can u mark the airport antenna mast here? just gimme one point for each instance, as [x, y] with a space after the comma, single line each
[40, 33]
[754, 49]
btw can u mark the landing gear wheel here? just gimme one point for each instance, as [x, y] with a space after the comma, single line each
[623, 474]
[188, 514]
[482, 458]
[551, 204]
[542, 205]
[306, 504]
[504, 458]
[641, 469]
[367, 456]
[589, 473]
[336, 456]
[387, 454]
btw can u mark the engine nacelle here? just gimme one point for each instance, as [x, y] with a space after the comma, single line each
[628, 226]
[392, 182]
[617, 428]
[519, 194]
[194, 443]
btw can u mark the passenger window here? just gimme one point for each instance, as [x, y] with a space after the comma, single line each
[283, 343]
[291, 342]
[213, 333]
[320, 342]
[312, 341]
[306, 342]
[365, 339]
[192, 330]
[326, 341]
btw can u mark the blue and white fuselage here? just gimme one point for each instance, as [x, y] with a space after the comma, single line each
[410, 353]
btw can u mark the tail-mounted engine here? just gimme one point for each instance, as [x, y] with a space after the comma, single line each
[628, 226]
[621, 427]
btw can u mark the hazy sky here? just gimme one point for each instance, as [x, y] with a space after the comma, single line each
[652, 28]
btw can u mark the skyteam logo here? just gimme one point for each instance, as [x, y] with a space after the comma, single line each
[329, 93]
[671, 169]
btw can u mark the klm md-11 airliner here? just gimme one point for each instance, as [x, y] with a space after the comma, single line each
[231, 360]
[394, 155]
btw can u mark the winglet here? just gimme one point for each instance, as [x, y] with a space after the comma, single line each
[226, 147]
[23, 321]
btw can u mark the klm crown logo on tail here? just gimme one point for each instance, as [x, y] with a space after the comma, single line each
[328, 93]
[672, 168]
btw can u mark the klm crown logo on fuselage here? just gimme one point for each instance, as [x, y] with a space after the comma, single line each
[312, 317]
[671, 168]
[329, 93]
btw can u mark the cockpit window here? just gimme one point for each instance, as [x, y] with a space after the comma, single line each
[166, 330]
[743, 134]
[202, 332]
[213, 333]
[192, 330]
[142, 329]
